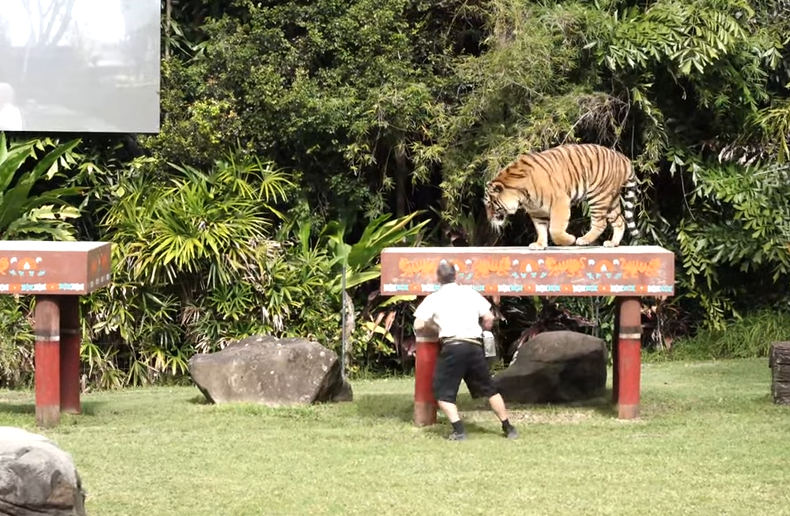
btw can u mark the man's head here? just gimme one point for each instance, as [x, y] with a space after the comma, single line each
[445, 272]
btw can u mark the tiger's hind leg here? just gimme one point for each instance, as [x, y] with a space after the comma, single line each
[616, 219]
[598, 218]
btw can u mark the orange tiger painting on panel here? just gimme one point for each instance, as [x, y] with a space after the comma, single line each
[633, 268]
[570, 267]
[411, 268]
[547, 184]
[483, 267]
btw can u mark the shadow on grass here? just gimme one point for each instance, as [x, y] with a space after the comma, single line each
[88, 408]
[442, 429]
[601, 405]
[199, 400]
[400, 407]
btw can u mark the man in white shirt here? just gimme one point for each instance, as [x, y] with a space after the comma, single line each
[456, 310]
[10, 116]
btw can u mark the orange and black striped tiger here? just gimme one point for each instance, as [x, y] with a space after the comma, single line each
[546, 184]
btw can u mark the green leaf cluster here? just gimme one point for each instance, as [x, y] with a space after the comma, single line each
[25, 212]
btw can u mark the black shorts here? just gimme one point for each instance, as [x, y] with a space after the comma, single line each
[462, 361]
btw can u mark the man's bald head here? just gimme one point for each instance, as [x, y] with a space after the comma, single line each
[445, 272]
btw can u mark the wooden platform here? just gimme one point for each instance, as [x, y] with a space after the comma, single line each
[634, 271]
[629, 272]
[57, 274]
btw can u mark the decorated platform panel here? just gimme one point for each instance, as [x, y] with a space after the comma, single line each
[643, 271]
[54, 268]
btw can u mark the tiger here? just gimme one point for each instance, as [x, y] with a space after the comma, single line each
[546, 184]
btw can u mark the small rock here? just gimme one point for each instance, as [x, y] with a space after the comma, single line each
[37, 477]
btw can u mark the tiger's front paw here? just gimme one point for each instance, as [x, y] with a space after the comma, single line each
[536, 246]
[609, 243]
[582, 241]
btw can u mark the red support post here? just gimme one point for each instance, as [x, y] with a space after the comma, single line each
[71, 338]
[426, 355]
[629, 358]
[47, 361]
[615, 357]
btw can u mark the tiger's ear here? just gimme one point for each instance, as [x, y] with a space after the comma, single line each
[495, 187]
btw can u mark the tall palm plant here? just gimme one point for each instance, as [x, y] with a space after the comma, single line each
[210, 225]
[362, 263]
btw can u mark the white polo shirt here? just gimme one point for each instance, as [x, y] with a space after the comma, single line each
[456, 310]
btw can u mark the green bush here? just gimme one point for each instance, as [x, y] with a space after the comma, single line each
[16, 342]
[749, 337]
[195, 266]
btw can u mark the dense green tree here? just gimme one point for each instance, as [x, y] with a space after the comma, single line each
[340, 91]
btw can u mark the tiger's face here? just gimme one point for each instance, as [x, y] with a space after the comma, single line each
[500, 202]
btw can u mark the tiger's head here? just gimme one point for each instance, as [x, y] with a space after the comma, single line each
[501, 201]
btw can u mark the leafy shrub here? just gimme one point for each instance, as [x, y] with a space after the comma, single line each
[25, 212]
[733, 244]
[192, 258]
[748, 337]
[16, 342]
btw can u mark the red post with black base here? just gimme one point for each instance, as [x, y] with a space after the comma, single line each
[426, 355]
[628, 358]
[47, 361]
[57, 274]
[70, 340]
[615, 354]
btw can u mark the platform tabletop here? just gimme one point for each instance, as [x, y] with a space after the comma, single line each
[519, 271]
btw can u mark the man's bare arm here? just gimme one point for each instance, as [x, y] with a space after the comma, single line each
[422, 324]
[488, 321]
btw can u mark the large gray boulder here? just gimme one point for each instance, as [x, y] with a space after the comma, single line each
[37, 478]
[555, 367]
[270, 371]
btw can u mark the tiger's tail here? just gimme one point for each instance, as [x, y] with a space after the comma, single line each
[629, 203]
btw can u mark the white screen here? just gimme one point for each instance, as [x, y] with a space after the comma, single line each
[79, 65]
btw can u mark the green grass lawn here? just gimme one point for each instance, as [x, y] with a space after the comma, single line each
[710, 441]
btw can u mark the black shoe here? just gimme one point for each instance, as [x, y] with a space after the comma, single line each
[510, 433]
[457, 436]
